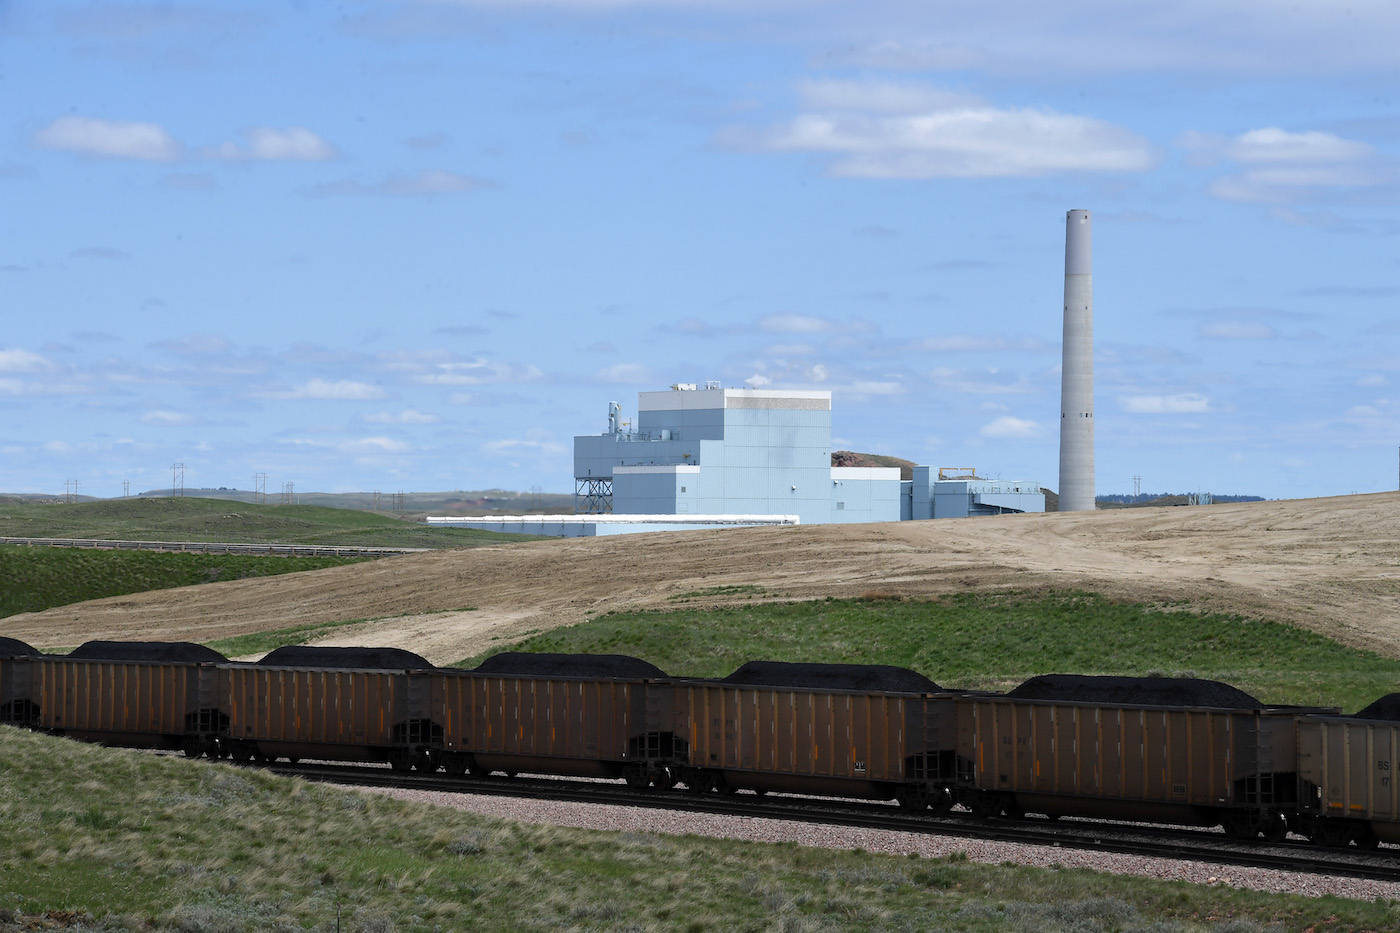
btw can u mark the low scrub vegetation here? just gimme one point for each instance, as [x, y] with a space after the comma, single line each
[227, 521]
[42, 578]
[94, 838]
[995, 642]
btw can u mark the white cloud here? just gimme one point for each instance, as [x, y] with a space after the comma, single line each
[796, 324]
[979, 382]
[114, 139]
[341, 390]
[515, 445]
[883, 130]
[1007, 426]
[1185, 403]
[407, 416]
[757, 381]
[296, 143]
[1280, 165]
[372, 445]
[23, 361]
[1373, 381]
[167, 418]
[625, 373]
[1273, 145]
[476, 372]
[1238, 330]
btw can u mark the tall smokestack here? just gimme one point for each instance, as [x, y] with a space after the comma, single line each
[1077, 372]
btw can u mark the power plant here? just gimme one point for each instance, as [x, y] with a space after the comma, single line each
[1077, 371]
[701, 457]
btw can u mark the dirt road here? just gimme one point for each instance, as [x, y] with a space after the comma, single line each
[1332, 565]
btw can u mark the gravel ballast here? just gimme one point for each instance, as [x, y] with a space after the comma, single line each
[648, 820]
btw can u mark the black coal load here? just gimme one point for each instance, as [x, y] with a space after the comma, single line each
[14, 648]
[1135, 691]
[865, 678]
[154, 652]
[1387, 708]
[386, 659]
[527, 664]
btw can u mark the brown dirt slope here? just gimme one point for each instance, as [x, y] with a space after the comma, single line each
[1332, 565]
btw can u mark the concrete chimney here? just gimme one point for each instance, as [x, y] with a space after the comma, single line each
[1077, 371]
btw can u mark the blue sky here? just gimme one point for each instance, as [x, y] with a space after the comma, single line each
[420, 245]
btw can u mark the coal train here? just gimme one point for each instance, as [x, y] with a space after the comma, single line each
[1164, 750]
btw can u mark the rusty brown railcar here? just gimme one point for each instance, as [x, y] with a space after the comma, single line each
[134, 694]
[817, 739]
[330, 704]
[1346, 773]
[580, 715]
[1159, 763]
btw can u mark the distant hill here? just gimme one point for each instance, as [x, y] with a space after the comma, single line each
[849, 458]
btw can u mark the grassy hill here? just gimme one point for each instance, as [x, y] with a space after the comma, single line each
[42, 578]
[94, 838]
[993, 642]
[188, 518]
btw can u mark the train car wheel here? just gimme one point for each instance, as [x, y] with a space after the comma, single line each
[662, 779]
[1332, 834]
[1275, 827]
[423, 761]
[1366, 838]
[400, 760]
[984, 806]
[192, 747]
[636, 778]
[455, 765]
[941, 800]
[912, 797]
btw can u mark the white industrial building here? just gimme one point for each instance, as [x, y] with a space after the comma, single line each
[700, 457]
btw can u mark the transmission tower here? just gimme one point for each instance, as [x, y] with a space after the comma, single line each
[177, 479]
[398, 501]
[1137, 488]
[376, 500]
[70, 490]
[287, 498]
[126, 488]
[260, 487]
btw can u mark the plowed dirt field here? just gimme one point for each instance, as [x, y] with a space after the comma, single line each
[1332, 565]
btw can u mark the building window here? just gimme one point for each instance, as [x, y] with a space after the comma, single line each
[682, 489]
[840, 506]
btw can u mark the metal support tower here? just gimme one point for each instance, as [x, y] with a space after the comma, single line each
[593, 496]
[177, 479]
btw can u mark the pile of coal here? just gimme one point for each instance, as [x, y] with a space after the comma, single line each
[14, 648]
[1387, 707]
[1135, 691]
[868, 678]
[526, 664]
[155, 652]
[385, 659]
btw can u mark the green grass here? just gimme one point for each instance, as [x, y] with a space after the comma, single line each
[226, 521]
[132, 841]
[994, 642]
[42, 578]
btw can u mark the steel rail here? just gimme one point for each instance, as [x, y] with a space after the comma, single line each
[1119, 839]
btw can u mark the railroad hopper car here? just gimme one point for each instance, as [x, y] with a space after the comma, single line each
[1169, 750]
[16, 679]
[332, 704]
[868, 731]
[568, 714]
[1346, 772]
[134, 694]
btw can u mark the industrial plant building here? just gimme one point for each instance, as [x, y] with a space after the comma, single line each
[699, 457]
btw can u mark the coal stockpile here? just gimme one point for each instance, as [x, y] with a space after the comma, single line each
[1135, 691]
[1387, 707]
[387, 659]
[866, 678]
[14, 648]
[526, 664]
[155, 652]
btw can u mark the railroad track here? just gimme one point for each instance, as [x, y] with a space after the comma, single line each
[1121, 839]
